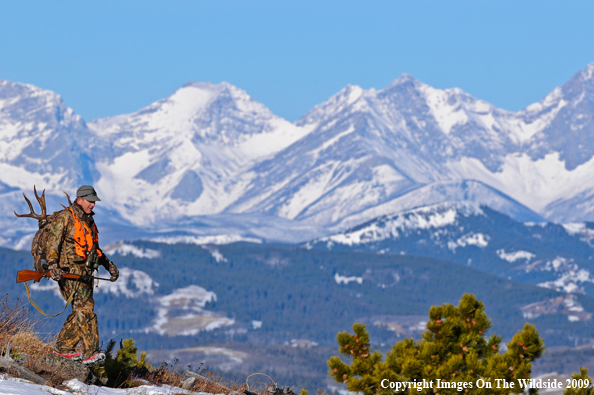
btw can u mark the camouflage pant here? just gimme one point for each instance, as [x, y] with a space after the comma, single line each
[81, 324]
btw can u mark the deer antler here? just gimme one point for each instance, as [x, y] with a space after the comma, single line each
[41, 201]
[69, 202]
[68, 197]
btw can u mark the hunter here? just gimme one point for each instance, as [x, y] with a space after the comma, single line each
[72, 238]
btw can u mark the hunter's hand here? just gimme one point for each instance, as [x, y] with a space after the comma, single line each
[55, 272]
[113, 270]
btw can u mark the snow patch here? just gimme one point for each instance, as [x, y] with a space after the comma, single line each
[477, 239]
[131, 284]
[434, 216]
[585, 233]
[182, 313]
[51, 286]
[190, 297]
[345, 280]
[514, 256]
[571, 276]
[124, 249]
[567, 305]
[216, 254]
[200, 240]
[14, 386]
[256, 324]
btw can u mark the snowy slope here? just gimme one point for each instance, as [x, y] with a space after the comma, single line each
[182, 155]
[41, 140]
[41, 143]
[369, 148]
[548, 255]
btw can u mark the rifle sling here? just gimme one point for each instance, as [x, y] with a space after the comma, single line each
[41, 311]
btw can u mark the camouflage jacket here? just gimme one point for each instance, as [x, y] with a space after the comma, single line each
[60, 248]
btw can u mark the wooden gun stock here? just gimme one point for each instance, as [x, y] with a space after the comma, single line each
[28, 275]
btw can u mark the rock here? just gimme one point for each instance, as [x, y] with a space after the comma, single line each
[189, 383]
[219, 388]
[273, 389]
[65, 368]
[15, 369]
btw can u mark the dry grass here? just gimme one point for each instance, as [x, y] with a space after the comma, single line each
[168, 375]
[29, 343]
[17, 328]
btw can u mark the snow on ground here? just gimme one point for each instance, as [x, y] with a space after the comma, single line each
[434, 216]
[256, 324]
[514, 256]
[571, 276]
[124, 249]
[216, 254]
[567, 305]
[13, 386]
[345, 280]
[200, 240]
[475, 239]
[533, 183]
[131, 284]
[581, 230]
[182, 313]
[46, 285]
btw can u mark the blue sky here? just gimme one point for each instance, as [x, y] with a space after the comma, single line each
[111, 57]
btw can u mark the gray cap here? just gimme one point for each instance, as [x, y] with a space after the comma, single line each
[87, 192]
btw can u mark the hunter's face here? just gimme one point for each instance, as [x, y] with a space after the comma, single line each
[86, 205]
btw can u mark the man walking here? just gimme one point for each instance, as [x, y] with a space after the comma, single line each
[73, 238]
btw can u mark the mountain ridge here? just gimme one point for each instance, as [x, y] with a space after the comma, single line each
[210, 149]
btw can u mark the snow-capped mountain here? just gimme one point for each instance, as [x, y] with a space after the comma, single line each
[369, 149]
[40, 140]
[209, 158]
[41, 143]
[545, 254]
[375, 152]
[182, 155]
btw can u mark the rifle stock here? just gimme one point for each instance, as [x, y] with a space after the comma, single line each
[28, 275]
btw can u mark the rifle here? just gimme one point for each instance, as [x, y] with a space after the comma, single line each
[28, 275]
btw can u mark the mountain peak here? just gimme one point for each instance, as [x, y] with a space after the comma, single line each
[334, 105]
[41, 138]
[405, 80]
[588, 73]
[14, 91]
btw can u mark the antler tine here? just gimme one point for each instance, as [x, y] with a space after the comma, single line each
[69, 202]
[32, 214]
[30, 208]
[41, 200]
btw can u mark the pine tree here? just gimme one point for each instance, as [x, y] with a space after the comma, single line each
[453, 349]
[118, 369]
[586, 388]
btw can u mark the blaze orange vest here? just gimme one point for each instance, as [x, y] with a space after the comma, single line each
[83, 237]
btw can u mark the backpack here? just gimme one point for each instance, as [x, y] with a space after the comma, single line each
[44, 222]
